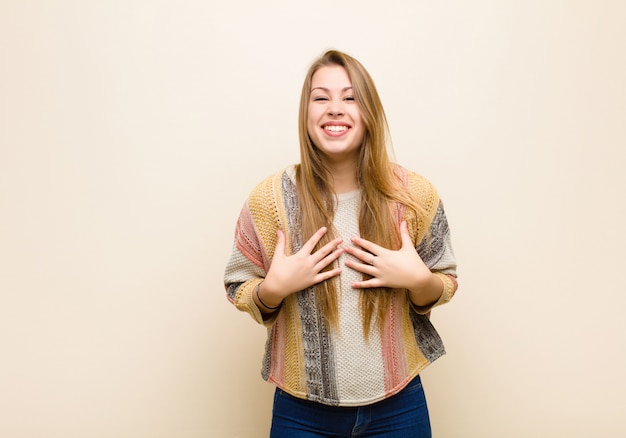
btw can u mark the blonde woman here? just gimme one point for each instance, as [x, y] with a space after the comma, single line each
[342, 257]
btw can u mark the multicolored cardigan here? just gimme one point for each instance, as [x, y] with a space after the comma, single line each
[299, 355]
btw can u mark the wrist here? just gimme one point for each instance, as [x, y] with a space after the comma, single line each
[267, 302]
[428, 292]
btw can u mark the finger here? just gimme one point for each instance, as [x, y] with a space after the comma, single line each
[363, 256]
[280, 242]
[315, 238]
[328, 259]
[405, 236]
[367, 284]
[370, 247]
[322, 276]
[364, 268]
[328, 249]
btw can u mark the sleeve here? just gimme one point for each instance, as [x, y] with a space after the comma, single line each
[254, 243]
[435, 249]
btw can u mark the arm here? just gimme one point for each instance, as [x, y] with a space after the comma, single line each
[254, 240]
[436, 251]
[289, 274]
[258, 280]
[427, 272]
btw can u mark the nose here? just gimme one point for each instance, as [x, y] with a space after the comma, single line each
[335, 109]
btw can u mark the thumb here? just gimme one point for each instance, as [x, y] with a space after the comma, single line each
[280, 243]
[405, 236]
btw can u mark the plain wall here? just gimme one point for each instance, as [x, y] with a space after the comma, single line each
[132, 131]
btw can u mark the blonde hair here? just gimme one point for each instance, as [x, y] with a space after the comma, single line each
[381, 189]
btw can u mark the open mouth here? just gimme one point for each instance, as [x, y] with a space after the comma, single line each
[336, 128]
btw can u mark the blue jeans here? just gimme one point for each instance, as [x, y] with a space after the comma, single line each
[404, 415]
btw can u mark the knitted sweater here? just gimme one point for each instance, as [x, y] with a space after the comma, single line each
[303, 356]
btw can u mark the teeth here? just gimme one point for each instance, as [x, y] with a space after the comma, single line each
[334, 128]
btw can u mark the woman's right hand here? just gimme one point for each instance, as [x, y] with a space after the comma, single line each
[292, 273]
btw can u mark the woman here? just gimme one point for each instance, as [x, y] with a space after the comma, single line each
[342, 257]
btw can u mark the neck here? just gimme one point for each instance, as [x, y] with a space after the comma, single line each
[344, 177]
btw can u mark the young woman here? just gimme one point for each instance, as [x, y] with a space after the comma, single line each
[342, 257]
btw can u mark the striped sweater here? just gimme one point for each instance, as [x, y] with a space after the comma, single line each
[303, 356]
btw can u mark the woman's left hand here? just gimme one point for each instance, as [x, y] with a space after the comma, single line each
[402, 269]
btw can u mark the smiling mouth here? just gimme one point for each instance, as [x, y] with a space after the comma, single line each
[335, 128]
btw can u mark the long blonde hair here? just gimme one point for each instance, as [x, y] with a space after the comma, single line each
[381, 189]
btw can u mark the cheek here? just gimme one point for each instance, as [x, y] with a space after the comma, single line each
[356, 116]
[311, 121]
[313, 135]
[310, 127]
[313, 113]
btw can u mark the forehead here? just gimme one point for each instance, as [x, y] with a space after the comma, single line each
[331, 77]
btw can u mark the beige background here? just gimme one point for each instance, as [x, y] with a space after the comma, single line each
[132, 131]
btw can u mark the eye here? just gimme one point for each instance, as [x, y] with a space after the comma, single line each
[349, 98]
[320, 98]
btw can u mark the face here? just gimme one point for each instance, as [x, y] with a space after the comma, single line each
[334, 119]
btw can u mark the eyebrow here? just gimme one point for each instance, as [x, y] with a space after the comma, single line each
[327, 90]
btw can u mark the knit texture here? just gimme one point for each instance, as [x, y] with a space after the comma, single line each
[302, 356]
